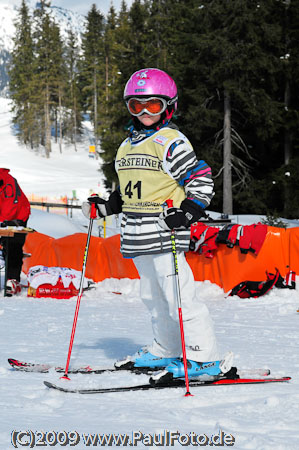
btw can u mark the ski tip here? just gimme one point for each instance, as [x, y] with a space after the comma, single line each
[12, 361]
[15, 363]
[52, 386]
[60, 388]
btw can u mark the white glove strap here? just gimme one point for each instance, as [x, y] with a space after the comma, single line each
[86, 208]
[161, 220]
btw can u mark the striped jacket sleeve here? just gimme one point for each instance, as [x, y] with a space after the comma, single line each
[193, 175]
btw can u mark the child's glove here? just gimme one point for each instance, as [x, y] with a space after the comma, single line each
[104, 207]
[172, 218]
[179, 218]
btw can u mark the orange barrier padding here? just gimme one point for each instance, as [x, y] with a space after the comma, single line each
[70, 250]
[227, 268]
[104, 257]
[40, 247]
[204, 268]
[119, 267]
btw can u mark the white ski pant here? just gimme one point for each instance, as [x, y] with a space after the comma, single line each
[159, 294]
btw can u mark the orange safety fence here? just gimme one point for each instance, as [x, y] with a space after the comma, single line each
[56, 210]
[227, 268]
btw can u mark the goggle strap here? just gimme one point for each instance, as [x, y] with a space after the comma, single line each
[172, 100]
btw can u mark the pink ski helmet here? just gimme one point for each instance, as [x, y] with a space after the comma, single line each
[152, 83]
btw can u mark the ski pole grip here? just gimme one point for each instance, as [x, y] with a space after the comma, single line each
[169, 203]
[93, 211]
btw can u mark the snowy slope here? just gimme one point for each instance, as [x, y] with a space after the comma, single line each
[50, 179]
[262, 333]
[57, 176]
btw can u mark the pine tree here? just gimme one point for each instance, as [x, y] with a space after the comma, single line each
[138, 37]
[110, 57]
[120, 33]
[48, 70]
[42, 65]
[21, 77]
[160, 28]
[72, 100]
[290, 74]
[123, 38]
[111, 99]
[289, 94]
[58, 82]
[93, 66]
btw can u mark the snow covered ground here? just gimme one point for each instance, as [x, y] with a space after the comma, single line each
[262, 333]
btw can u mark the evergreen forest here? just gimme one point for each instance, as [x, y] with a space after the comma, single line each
[236, 66]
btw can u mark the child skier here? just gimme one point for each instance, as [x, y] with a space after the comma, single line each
[156, 163]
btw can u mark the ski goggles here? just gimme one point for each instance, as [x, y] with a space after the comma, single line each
[152, 106]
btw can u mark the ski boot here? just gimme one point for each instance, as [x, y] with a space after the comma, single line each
[144, 361]
[13, 287]
[210, 370]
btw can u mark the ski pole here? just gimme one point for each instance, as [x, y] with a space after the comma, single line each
[179, 302]
[93, 215]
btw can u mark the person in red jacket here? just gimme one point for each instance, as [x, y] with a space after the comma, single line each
[14, 211]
